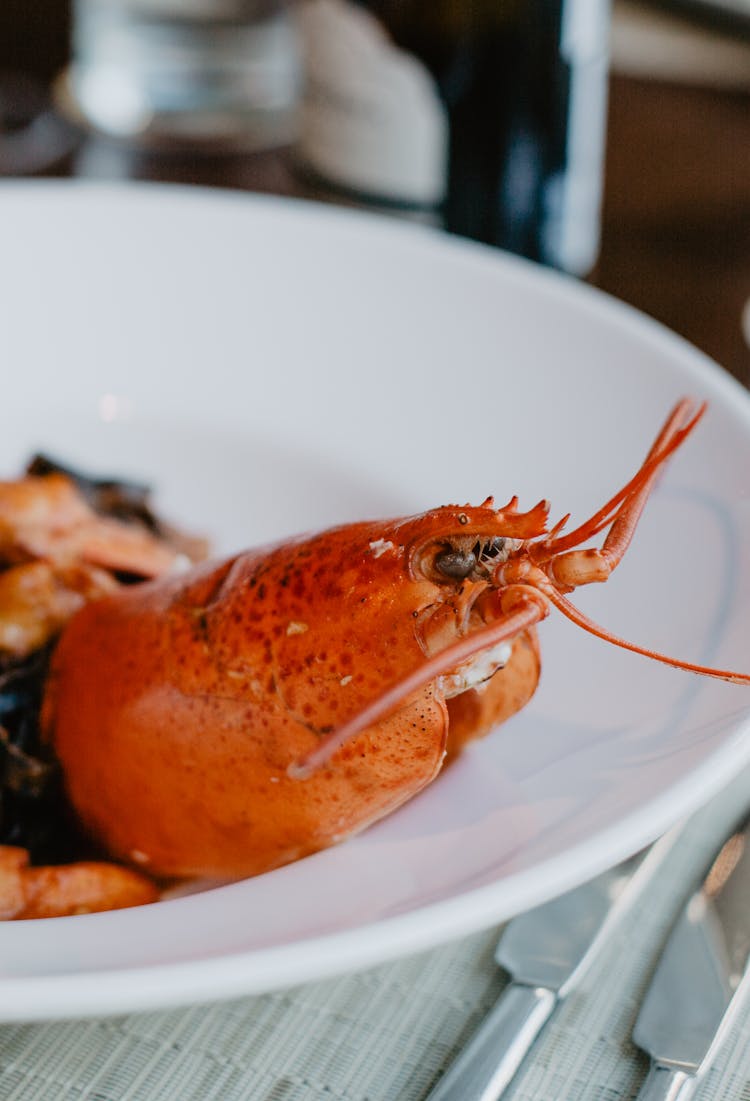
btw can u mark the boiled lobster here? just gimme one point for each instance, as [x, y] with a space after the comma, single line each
[243, 714]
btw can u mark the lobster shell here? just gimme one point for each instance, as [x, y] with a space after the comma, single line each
[177, 707]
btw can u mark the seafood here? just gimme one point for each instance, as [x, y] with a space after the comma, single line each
[64, 540]
[246, 713]
[46, 517]
[64, 889]
[57, 553]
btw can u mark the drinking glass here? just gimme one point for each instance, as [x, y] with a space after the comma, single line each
[215, 72]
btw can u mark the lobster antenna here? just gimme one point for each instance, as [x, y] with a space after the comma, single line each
[532, 610]
[533, 605]
[669, 439]
[576, 616]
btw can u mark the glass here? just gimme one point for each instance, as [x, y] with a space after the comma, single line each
[213, 72]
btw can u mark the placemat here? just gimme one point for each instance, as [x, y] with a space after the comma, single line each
[388, 1033]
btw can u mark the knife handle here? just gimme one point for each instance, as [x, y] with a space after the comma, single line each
[487, 1064]
[667, 1084]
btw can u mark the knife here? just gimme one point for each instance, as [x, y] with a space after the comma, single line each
[700, 977]
[545, 952]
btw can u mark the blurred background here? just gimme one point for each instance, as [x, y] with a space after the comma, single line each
[612, 142]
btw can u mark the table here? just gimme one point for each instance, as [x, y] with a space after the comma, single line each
[675, 243]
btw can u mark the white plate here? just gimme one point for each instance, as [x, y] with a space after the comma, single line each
[275, 367]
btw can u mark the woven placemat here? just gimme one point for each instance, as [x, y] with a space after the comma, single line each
[388, 1033]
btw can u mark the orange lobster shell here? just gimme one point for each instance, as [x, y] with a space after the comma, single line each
[244, 714]
[177, 707]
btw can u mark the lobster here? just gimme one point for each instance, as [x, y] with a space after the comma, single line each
[243, 714]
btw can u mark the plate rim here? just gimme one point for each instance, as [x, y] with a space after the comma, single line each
[113, 991]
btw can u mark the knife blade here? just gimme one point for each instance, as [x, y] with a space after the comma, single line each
[545, 952]
[699, 978]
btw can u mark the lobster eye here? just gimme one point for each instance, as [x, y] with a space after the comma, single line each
[456, 564]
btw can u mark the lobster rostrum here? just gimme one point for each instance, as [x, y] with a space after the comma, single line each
[244, 714]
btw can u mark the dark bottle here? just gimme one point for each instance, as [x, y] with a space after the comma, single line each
[485, 115]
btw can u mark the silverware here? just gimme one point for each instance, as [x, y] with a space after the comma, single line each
[545, 952]
[698, 979]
